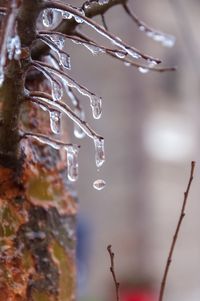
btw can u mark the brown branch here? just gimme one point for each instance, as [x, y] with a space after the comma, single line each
[175, 237]
[112, 270]
[127, 61]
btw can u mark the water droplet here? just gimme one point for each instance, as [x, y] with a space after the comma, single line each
[55, 121]
[99, 184]
[96, 105]
[143, 70]
[169, 41]
[99, 151]
[72, 162]
[121, 55]
[48, 17]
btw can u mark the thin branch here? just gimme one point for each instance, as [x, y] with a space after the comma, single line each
[128, 62]
[69, 26]
[42, 33]
[112, 270]
[132, 51]
[166, 39]
[175, 237]
[46, 100]
[45, 139]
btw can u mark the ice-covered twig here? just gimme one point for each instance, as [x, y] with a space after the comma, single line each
[175, 236]
[46, 100]
[43, 33]
[128, 62]
[95, 101]
[56, 144]
[166, 39]
[133, 52]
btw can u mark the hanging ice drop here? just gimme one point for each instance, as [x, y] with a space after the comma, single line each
[99, 151]
[99, 184]
[72, 162]
[57, 91]
[65, 60]
[96, 105]
[55, 121]
[48, 17]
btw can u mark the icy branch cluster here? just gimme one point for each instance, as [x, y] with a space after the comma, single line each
[56, 67]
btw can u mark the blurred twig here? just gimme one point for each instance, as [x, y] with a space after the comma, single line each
[112, 269]
[174, 240]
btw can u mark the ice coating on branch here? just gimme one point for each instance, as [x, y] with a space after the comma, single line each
[102, 2]
[57, 43]
[48, 17]
[14, 47]
[99, 184]
[99, 151]
[78, 132]
[93, 48]
[46, 141]
[165, 39]
[55, 121]
[72, 162]
[151, 64]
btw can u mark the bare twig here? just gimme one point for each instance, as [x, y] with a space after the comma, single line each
[112, 270]
[182, 214]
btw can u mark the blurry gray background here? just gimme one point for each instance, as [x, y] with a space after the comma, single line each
[151, 128]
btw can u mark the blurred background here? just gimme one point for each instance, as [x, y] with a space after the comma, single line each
[151, 127]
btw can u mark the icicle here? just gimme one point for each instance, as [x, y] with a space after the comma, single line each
[96, 105]
[48, 17]
[78, 132]
[99, 151]
[72, 162]
[99, 184]
[1, 75]
[14, 47]
[57, 91]
[58, 40]
[64, 60]
[55, 121]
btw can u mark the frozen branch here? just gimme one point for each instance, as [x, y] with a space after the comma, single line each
[45, 99]
[175, 237]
